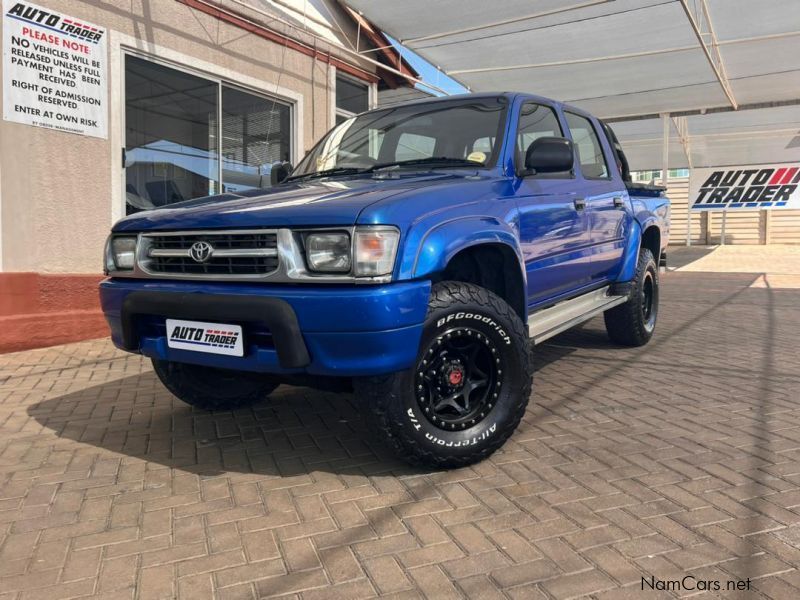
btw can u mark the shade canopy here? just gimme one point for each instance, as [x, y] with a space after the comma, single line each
[625, 59]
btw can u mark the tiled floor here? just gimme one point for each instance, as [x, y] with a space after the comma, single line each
[679, 458]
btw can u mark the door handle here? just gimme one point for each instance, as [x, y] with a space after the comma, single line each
[619, 202]
[580, 203]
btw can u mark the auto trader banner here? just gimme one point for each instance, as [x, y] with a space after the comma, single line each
[745, 188]
[54, 70]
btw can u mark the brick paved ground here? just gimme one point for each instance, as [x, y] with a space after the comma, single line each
[679, 458]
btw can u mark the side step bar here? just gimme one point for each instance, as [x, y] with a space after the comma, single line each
[544, 324]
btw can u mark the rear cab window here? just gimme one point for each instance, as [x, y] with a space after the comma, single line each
[587, 144]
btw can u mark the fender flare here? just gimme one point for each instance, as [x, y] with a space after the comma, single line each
[631, 255]
[442, 242]
[634, 244]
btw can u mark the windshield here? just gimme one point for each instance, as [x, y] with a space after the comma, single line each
[465, 132]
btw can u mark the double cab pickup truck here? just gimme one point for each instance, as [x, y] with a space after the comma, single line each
[413, 256]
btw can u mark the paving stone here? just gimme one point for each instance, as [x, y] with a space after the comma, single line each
[682, 456]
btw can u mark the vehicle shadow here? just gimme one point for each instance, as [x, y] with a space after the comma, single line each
[681, 256]
[294, 431]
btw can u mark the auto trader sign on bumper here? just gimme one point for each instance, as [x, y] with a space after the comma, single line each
[54, 70]
[745, 188]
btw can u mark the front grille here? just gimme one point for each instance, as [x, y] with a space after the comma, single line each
[235, 254]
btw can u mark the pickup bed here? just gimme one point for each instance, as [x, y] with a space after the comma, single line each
[414, 255]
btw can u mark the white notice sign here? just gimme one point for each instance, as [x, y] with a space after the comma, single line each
[54, 70]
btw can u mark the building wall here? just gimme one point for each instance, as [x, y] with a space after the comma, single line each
[61, 192]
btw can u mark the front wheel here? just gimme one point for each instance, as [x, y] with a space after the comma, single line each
[633, 323]
[469, 388]
[213, 389]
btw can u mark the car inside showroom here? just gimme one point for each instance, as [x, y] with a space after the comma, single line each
[364, 298]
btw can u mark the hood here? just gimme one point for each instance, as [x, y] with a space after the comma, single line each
[331, 202]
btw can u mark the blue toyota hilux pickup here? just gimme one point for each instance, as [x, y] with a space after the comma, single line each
[416, 253]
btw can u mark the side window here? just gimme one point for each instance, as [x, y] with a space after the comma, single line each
[535, 121]
[411, 146]
[590, 152]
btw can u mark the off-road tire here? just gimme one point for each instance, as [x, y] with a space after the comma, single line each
[395, 412]
[213, 389]
[633, 323]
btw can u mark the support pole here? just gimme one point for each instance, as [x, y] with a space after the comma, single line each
[682, 126]
[767, 230]
[722, 232]
[688, 221]
[665, 150]
[665, 120]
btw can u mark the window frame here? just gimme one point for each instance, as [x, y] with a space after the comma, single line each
[340, 112]
[593, 125]
[520, 168]
[220, 81]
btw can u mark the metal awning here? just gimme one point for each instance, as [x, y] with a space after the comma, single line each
[624, 59]
[747, 136]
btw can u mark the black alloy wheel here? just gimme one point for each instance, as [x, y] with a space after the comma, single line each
[633, 323]
[649, 305]
[468, 388]
[458, 379]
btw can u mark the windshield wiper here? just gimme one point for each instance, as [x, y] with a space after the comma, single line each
[437, 161]
[328, 173]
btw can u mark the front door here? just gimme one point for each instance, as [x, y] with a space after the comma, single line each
[554, 225]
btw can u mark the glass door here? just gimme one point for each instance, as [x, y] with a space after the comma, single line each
[255, 135]
[187, 136]
[171, 142]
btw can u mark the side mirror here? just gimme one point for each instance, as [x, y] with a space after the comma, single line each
[549, 155]
[280, 171]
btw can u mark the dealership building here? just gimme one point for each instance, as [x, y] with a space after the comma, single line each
[114, 108]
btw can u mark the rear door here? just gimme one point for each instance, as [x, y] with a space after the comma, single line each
[553, 223]
[607, 204]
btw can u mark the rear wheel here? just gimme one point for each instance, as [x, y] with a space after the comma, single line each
[469, 388]
[213, 389]
[633, 323]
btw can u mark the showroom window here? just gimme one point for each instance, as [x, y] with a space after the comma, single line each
[188, 136]
[352, 98]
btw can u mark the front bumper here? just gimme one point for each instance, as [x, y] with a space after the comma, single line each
[320, 330]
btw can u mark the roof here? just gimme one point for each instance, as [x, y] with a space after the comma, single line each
[336, 24]
[627, 59]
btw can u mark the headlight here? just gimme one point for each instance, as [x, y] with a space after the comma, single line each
[328, 252]
[375, 250]
[120, 252]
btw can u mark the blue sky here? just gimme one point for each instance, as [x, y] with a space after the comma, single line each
[429, 72]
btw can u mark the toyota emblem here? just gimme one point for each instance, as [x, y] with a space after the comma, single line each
[201, 251]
